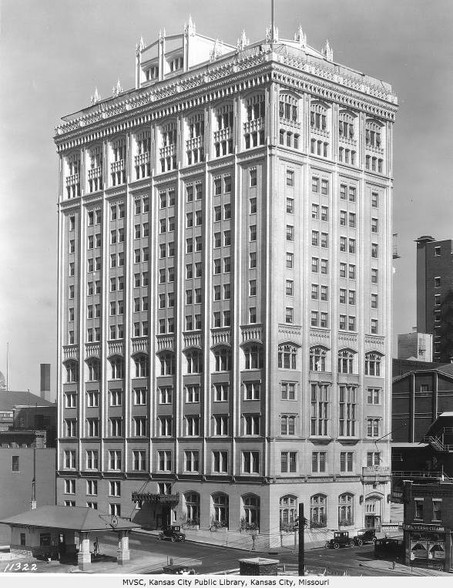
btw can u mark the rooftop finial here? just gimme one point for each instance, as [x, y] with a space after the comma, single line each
[216, 51]
[189, 28]
[300, 37]
[242, 41]
[116, 90]
[96, 97]
[140, 46]
[327, 51]
[271, 34]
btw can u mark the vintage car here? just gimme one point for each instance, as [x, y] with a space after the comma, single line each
[172, 533]
[389, 547]
[340, 539]
[365, 536]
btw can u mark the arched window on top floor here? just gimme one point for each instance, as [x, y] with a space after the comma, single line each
[288, 110]
[346, 129]
[373, 134]
[318, 117]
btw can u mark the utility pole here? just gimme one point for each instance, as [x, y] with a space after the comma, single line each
[301, 540]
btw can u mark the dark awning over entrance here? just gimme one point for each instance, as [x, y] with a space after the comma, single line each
[168, 499]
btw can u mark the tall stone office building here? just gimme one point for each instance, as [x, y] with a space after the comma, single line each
[225, 277]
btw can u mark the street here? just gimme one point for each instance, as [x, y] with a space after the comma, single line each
[355, 561]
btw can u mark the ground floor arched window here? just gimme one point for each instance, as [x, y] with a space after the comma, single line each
[318, 511]
[345, 509]
[251, 510]
[192, 500]
[288, 512]
[220, 510]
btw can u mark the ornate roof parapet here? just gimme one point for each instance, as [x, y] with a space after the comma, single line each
[189, 28]
[242, 42]
[96, 97]
[300, 37]
[117, 90]
[327, 51]
[252, 56]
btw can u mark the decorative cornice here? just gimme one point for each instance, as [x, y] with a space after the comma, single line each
[246, 70]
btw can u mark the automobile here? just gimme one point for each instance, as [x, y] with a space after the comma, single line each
[179, 569]
[389, 546]
[365, 536]
[340, 539]
[172, 533]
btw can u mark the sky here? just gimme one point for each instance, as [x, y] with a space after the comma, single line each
[54, 53]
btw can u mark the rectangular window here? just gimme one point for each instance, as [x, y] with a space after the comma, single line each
[318, 462]
[221, 392]
[418, 506]
[373, 458]
[289, 288]
[319, 410]
[191, 461]
[288, 461]
[220, 462]
[287, 424]
[138, 460]
[288, 390]
[437, 510]
[373, 427]
[250, 462]
[15, 463]
[253, 177]
[374, 396]
[164, 461]
[347, 411]
[346, 461]
[252, 390]
[289, 315]
[289, 177]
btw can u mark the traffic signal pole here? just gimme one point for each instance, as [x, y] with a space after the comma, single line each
[301, 541]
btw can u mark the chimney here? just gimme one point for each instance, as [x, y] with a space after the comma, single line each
[45, 381]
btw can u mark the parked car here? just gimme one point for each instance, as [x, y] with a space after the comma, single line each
[179, 569]
[172, 533]
[365, 536]
[340, 539]
[389, 547]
